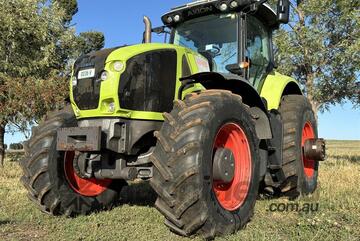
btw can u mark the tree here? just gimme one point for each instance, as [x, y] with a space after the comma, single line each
[37, 46]
[88, 41]
[320, 47]
[70, 7]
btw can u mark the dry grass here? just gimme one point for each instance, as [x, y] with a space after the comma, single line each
[338, 217]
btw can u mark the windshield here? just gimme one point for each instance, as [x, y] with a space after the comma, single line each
[213, 36]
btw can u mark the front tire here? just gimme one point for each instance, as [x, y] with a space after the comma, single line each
[49, 176]
[188, 196]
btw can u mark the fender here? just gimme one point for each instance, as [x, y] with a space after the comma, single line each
[213, 80]
[276, 86]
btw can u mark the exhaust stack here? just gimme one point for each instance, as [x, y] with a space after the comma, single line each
[148, 27]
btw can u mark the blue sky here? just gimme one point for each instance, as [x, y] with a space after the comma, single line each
[121, 22]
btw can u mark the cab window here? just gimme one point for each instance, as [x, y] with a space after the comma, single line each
[213, 36]
[257, 50]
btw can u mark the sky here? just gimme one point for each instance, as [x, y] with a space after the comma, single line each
[121, 23]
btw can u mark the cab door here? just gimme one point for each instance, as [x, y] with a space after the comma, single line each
[257, 51]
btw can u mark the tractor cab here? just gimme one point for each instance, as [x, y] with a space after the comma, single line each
[234, 36]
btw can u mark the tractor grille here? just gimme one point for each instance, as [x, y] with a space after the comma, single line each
[87, 92]
[148, 84]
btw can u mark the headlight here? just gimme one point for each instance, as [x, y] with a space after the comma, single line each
[118, 66]
[104, 75]
[112, 107]
[74, 81]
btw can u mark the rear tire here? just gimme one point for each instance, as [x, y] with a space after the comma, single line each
[299, 124]
[45, 176]
[183, 177]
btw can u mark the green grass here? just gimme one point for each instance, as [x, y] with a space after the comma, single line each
[338, 217]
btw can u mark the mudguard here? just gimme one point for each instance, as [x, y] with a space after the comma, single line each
[239, 86]
[233, 83]
[276, 86]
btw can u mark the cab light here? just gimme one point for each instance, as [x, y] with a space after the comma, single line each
[177, 18]
[169, 19]
[234, 4]
[223, 7]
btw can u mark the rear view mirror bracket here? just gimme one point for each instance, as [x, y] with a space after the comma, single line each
[283, 11]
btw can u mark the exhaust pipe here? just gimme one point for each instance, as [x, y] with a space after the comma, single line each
[147, 33]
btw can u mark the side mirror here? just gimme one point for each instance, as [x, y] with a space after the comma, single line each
[234, 69]
[283, 11]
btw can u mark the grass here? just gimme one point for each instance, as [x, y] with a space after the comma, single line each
[338, 217]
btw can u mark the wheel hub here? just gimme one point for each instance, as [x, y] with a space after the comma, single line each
[223, 165]
[80, 164]
[314, 149]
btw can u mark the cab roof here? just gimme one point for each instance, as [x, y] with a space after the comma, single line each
[201, 8]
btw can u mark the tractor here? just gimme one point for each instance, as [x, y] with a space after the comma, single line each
[204, 118]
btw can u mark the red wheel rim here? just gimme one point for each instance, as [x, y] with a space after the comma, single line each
[232, 195]
[87, 187]
[309, 165]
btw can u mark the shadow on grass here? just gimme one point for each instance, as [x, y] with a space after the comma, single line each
[349, 158]
[137, 194]
[4, 222]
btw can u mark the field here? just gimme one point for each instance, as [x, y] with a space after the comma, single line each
[135, 218]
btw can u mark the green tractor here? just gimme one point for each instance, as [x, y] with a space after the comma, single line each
[205, 119]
